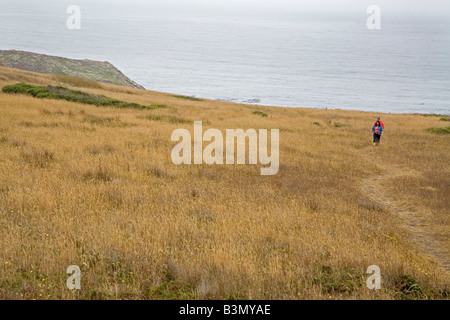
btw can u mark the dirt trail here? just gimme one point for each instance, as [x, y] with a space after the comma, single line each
[413, 218]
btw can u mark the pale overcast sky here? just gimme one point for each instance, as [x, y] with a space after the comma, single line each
[441, 7]
[415, 6]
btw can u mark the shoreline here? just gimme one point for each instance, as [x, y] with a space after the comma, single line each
[12, 59]
[233, 102]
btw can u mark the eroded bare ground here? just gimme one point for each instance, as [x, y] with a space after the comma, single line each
[414, 218]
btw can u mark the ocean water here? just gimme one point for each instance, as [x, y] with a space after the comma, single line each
[258, 56]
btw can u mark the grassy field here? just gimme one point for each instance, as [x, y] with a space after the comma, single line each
[95, 186]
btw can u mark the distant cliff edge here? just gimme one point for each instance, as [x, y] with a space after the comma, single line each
[86, 69]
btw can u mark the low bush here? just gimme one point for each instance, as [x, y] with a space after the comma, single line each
[260, 113]
[443, 130]
[61, 93]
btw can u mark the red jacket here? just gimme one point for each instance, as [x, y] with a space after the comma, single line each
[382, 124]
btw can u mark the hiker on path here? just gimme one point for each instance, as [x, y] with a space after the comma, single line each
[382, 124]
[377, 130]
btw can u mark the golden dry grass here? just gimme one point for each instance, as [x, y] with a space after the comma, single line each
[95, 187]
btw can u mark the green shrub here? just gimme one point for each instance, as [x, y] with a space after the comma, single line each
[343, 281]
[408, 288]
[61, 93]
[260, 113]
[23, 88]
[442, 130]
[108, 101]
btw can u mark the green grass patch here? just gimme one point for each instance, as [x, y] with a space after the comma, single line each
[156, 106]
[170, 290]
[187, 98]
[170, 119]
[444, 119]
[408, 288]
[343, 281]
[433, 115]
[316, 123]
[62, 93]
[260, 113]
[442, 130]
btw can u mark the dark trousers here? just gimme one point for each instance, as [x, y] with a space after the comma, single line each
[376, 137]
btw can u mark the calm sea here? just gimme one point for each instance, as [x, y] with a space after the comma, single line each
[267, 57]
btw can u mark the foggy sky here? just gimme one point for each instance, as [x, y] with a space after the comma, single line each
[415, 7]
[395, 6]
